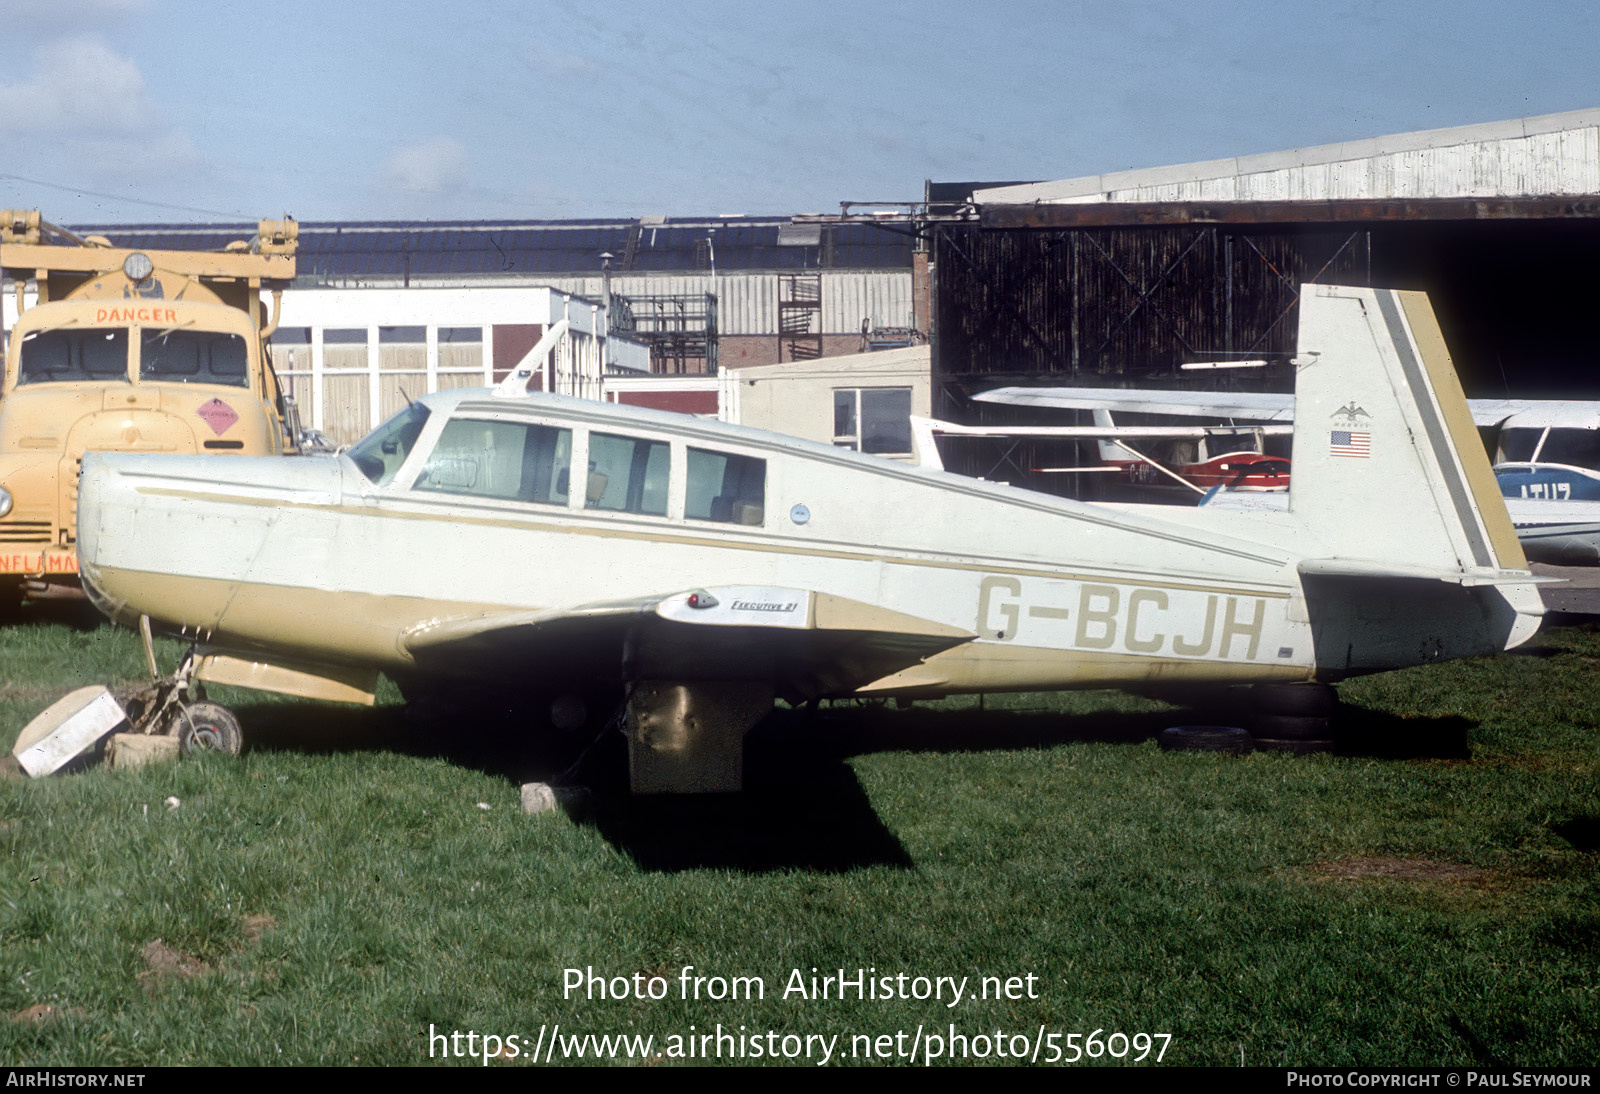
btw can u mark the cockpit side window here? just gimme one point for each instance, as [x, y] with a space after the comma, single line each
[628, 474]
[1575, 447]
[493, 459]
[380, 454]
[726, 488]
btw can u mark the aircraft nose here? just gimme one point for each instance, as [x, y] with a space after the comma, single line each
[97, 485]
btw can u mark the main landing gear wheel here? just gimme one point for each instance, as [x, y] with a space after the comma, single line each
[206, 727]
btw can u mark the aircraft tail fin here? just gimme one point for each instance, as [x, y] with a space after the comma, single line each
[1111, 451]
[1415, 558]
[1382, 429]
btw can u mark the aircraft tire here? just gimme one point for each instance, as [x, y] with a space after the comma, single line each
[1292, 727]
[1231, 739]
[1310, 700]
[206, 727]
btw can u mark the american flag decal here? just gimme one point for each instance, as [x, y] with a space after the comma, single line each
[1346, 442]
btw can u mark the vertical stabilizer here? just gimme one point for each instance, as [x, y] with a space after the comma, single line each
[1111, 451]
[1416, 559]
[1388, 466]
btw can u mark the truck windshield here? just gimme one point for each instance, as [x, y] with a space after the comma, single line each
[194, 357]
[380, 454]
[65, 356]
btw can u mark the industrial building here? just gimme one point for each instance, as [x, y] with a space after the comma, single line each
[701, 292]
[382, 311]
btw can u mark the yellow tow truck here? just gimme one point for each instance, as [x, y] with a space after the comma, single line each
[126, 351]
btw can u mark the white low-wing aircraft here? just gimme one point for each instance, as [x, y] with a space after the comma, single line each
[701, 569]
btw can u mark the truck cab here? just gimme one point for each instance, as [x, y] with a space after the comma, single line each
[125, 350]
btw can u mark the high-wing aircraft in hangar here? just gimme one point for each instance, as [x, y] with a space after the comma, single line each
[1547, 451]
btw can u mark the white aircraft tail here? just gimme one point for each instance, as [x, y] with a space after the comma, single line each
[1407, 553]
[1111, 451]
[1381, 431]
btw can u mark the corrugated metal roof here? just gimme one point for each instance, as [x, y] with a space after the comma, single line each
[1543, 155]
[395, 249]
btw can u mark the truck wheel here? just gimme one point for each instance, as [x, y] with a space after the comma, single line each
[206, 727]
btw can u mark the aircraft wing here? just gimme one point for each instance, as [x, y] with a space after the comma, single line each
[1535, 413]
[1253, 405]
[1102, 432]
[807, 643]
[1270, 407]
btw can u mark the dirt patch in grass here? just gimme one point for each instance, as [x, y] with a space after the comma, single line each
[1422, 871]
[40, 1013]
[255, 926]
[162, 962]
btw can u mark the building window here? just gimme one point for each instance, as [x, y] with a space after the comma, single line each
[873, 419]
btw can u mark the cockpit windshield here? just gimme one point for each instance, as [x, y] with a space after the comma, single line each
[380, 454]
[1219, 443]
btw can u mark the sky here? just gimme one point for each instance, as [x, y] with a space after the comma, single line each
[119, 111]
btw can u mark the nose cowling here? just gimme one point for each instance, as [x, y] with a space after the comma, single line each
[170, 536]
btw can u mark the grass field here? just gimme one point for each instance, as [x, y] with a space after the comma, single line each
[1428, 898]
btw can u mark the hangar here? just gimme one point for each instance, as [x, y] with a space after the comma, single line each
[1122, 278]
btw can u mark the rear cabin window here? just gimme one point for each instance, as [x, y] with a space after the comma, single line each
[511, 460]
[726, 488]
[65, 356]
[627, 474]
[194, 357]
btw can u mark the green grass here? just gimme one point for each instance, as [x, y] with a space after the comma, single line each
[1429, 899]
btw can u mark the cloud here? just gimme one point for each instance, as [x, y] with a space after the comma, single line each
[81, 115]
[79, 87]
[435, 167]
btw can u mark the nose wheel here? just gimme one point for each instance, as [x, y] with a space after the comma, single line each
[170, 707]
[205, 727]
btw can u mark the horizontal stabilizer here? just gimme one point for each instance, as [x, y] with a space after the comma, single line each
[1344, 567]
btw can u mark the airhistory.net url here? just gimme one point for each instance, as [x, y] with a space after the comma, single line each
[921, 1045]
